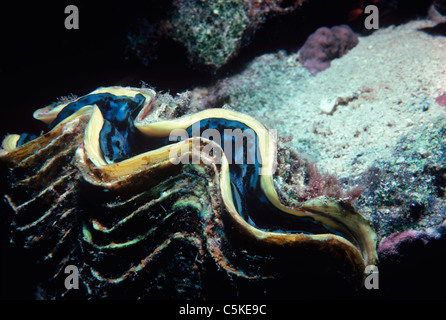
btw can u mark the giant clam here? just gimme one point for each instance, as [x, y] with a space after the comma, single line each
[142, 215]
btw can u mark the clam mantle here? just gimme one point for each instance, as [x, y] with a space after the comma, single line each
[99, 190]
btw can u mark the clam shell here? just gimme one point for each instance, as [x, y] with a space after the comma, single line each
[145, 227]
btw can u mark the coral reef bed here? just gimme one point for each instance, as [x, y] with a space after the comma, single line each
[363, 103]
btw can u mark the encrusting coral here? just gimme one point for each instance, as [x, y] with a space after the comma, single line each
[441, 99]
[211, 32]
[326, 44]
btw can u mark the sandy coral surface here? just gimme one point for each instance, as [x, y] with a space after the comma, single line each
[371, 119]
[355, 112]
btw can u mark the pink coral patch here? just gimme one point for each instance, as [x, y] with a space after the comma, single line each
[441, 100]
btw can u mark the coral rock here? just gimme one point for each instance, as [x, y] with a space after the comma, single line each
[413, 262]
[400, 243]
[211, 32]
[441, 100]
[326, 44]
